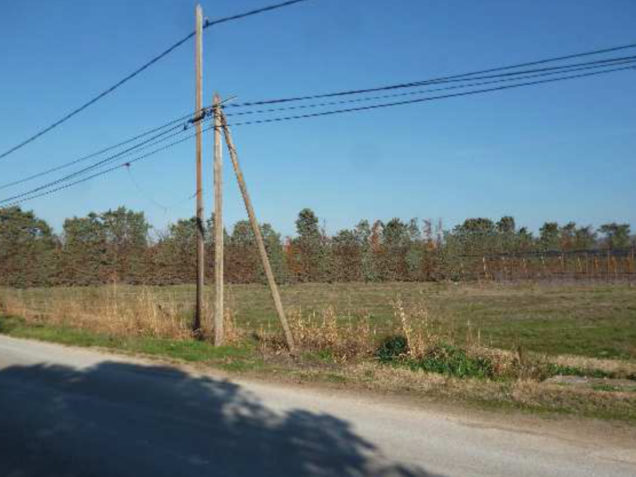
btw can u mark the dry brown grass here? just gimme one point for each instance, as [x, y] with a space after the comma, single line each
[421, 332]
[106, 310]
[344, 338]
[154, 312]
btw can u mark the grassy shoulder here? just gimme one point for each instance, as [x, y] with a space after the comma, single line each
[231, 358]
[599, 398]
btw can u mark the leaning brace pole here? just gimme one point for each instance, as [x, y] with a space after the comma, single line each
[219, 335]
[257, 233]
[196, 325]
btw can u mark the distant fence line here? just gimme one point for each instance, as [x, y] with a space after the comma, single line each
[593, 264]
[622, 252]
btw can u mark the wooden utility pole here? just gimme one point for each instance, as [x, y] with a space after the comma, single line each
[257, 234]
[219, 335]
[196, 326]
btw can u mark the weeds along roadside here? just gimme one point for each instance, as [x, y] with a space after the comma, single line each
[414, 340]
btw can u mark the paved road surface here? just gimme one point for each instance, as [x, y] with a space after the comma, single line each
[75, 412]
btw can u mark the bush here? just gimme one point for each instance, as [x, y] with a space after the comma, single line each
[441, 358]
[392, 348]
[453, 361]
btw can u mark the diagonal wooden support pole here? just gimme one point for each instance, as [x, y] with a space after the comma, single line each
[257, 233]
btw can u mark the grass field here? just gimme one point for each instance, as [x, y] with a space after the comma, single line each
[594, 320]
[564, 348]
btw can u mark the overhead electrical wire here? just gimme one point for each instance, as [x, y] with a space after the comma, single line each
[153, 141]
[430, 98]
[29, 195]
[151, 199]
[431, 81]
[100, 173]
[627, 60]
[250, 13]
[143, 193]
[511, 76]
[190, 118]
[24, 198]
[80, 159]
[143, 67]
[471, 77]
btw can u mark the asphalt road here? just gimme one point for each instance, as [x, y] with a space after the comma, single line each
[76, 412]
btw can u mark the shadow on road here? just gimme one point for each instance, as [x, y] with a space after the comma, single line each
[123, 419]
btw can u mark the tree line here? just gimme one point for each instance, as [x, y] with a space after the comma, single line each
[116, 246]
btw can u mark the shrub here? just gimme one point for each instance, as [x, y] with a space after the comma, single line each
[453, 361]
[440, 358]
[392, 349]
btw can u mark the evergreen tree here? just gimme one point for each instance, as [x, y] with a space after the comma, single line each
[176, 252]
[549, 237]
[27, 249]
[347, 256]
[310, 246]
[127, 238]
[616, 235]
[584, 238]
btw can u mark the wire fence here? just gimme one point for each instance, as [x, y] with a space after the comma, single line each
[575, 265]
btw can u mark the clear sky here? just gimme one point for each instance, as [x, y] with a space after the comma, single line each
[564, 151]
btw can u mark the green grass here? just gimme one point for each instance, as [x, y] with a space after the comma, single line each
[557, 369]
[324, 356]
[453, 361]
[231, 358]
[442, 359]
[14, 326]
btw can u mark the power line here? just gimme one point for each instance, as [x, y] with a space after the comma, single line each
[154, 140]
[97, 174]
[28, 195]
[412, 93]
[201, 116]
[19, 198]
[250, 13]
[146, 196]
[430, 98]
[460, 78]
[431, 81]
[506, 77]
[139, 70]
[471, 77]
[81, 159]
[151, 199]
[64, 165]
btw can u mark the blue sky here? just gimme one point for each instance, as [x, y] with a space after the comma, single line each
[561, 152]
